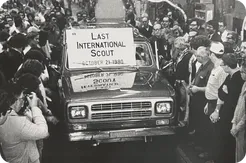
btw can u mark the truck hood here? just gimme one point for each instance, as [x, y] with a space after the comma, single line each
[117, 84]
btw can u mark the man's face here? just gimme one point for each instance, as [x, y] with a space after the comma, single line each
[79, 17]
[230, 39]
[145, 22]
[165, 22]
[10, 21]
[210, 29]
[6, 28]
[193, 26]
[170, 15]
[22, 15]
[225, 67]
[221, 27]
[53, 20]
[15, 5]
[202, 54]
[157, 31]
[18, 103]
[243, 49]
[37, 21]
[27, 11]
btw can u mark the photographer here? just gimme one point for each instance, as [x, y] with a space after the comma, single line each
[19, 131]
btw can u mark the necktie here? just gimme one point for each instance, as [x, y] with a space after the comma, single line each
[193, 71]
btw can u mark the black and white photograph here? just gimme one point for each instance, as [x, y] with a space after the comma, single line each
[122, 81]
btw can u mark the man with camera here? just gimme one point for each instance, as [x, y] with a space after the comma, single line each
[20, 127]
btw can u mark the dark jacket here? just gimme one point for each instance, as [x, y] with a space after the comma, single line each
[234, 85]
[145, 32]
[215, 37]
[163, 47]
[11, 62]
[182, 68]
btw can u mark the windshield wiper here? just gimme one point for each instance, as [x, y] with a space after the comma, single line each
[135, 68]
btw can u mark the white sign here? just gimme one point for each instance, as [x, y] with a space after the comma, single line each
[102, 80]
[102, 47]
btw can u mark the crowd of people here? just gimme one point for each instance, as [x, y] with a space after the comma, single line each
[30, 42]
[210, 60]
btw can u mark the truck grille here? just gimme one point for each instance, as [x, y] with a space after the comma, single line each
[127, 114]
[121, 106]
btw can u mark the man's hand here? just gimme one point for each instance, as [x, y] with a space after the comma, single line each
[194, 89]
[234, 132]
[28, 114]
[214, 117]
[52, 119]
[32, 100]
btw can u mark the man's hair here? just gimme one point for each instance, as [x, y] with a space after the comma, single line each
[18, 21]
[21, 12]
[224, 22]
[8, 96]
[35, 54]
[30, 14]
[180, 42]
[200, 40]
[228, 47]
[230, 60]
[214, 24]
[29, 82]
[31, 66]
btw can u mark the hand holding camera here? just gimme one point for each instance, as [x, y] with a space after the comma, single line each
[32, 99]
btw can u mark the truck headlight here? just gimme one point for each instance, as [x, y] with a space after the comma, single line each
[78, 112]
[163, 107]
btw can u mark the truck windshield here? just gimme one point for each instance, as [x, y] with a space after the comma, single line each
[142, 55]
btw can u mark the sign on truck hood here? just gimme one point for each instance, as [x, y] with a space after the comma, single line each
[102, 80]
[101, 47]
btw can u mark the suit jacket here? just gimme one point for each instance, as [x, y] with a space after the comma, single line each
[215, 37]
[145, 32]
[18, 136]
[11, 62]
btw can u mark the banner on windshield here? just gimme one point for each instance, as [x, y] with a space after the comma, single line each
[102, 80]
[102, 47]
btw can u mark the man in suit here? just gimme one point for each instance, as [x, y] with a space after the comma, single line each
[212, 29]
[223, 31]
[146, 29]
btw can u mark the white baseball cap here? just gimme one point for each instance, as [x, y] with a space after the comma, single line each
[217, 48]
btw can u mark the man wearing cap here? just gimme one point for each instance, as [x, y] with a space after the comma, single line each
[146, 29]
[216, 78]
[228, 95]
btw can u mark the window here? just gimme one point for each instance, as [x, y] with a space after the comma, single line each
[143, 57]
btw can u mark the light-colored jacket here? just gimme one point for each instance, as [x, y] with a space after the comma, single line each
[18, 136]
[239, 113]
[238, 122]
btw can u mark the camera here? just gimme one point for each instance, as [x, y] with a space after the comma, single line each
[25, 105]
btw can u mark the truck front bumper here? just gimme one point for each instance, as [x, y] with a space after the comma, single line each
[121, 134]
